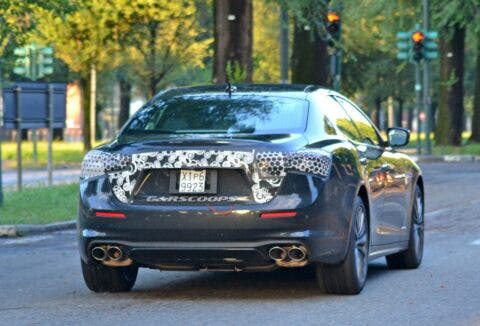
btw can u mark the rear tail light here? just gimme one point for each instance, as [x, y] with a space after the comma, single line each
[278, 214]
[97, 163]
[276, 164]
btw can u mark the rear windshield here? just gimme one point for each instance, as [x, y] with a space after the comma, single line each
[195, 114]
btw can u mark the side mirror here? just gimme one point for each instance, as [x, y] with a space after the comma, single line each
[398, 137]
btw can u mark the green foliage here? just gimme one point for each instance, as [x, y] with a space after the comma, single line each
[235, 72]
[40, 205]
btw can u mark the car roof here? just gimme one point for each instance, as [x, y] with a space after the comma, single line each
[291, 90]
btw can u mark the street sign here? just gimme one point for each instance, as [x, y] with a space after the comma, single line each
[33, 100]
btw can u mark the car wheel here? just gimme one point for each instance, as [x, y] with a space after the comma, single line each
[349, 276]
[99, 278]
[412, 257]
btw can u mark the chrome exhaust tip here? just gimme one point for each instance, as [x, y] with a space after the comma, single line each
[99, 253]
[114, 253]
[297, 253]
[277, 253]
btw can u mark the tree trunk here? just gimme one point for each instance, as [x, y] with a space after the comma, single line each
[85, 90]
[310, 60]
[450, 116]
[376, 114]
[399, 113]
[233, 21]
[476, 100]
[125, 97]
[410, 119]
[152, 87]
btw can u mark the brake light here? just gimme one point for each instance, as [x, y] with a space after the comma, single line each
[110, 214]
[278, 214]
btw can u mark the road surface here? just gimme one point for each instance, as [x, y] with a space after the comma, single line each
[41, 282]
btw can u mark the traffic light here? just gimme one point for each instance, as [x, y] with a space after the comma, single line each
[418, 46]
[403, 45]
[23, 62]
[33, 62]
[431, 48]
[334, 24]
[45, 62]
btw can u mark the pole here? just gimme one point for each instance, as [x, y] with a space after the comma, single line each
[35, 148]
[338, 77]
[1, 129]
[50, 134]
[93, 91]
[391, 120]
[19, 137]
[283, 46]
[426, 87]
[418, 90]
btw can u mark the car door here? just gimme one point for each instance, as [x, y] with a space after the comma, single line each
[396, 194]
[384, 172]
[371, 161]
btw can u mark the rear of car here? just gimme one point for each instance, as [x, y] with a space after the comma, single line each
[207, 181]
[202, 179]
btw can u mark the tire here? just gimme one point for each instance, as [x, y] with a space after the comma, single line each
[99, 278]
[412, 257]
[349, 277]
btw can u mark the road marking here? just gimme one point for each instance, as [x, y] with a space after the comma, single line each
[476, 242]
[27, 240]
[437, 212]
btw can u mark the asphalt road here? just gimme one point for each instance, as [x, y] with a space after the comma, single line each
[41, 282]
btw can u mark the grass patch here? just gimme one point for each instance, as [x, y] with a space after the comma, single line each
[466, 149]
[64, 154]
[40, 205]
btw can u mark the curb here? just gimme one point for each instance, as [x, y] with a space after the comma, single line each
[445, 158]
[28, 229]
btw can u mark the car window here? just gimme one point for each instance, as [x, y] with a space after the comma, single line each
[337, 115]
[365, 126]
[200, 114]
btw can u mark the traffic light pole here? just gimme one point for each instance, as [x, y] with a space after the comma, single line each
[426, 87]
[418, 90]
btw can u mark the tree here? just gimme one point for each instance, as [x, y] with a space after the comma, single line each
[310, 60]
[161, 37]
[266, 61]
[475, 137]
[450, 112]
[452, 18]
[84, 37]
[233, 25]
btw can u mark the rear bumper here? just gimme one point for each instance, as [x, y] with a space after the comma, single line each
[235, 236]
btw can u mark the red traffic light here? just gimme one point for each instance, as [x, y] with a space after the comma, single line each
[333, 17]
[418, 37]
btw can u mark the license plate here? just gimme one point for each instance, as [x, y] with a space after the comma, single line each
[192, 181]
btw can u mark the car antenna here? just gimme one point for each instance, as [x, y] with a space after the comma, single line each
[230, 88]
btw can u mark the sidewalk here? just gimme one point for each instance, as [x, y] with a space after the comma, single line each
[40, 177]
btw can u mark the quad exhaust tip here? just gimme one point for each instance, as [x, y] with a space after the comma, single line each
[277, 253]
[99, 253]
[297, 253]
[114, 253]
